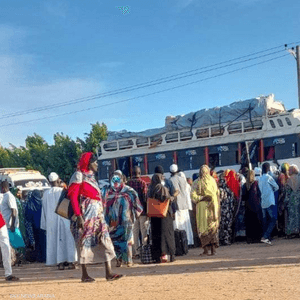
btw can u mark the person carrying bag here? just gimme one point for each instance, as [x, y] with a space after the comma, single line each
[161, 213]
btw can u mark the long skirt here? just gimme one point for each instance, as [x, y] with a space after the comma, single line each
[254, 226]
[122, 238]
[211, 238]
[163, 238]
[93, 243]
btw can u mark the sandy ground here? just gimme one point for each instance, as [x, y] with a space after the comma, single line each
[239, 271]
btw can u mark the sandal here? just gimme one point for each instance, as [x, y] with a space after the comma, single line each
[114, 277]
[11, 278]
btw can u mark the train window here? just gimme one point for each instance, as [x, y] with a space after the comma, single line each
[172, 137]
[202, 133]
[186, 135]
[217, 131]
[280, 122]
[125, 144]
[254, 125]
[110, 146]
[269, 152]
[272, 124]
[142, 142]
[288, 121]
[155, 140]
[235, 128]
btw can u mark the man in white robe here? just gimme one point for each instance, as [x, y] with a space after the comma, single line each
[61, 249]
[182, 216]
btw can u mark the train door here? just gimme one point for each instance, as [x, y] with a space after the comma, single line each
[123, 164]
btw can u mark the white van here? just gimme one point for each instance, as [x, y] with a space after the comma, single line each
[24, 180]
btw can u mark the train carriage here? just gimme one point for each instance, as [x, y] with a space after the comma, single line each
[272, 135]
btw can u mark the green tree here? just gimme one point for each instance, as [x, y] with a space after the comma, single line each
[97, 134]
[20, 157]
[63, 157]
[5, 157]
[39, 153]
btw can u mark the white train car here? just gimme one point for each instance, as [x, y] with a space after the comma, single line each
[273, 134]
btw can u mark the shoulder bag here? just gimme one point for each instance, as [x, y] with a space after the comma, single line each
[156, 208]
[64, 206]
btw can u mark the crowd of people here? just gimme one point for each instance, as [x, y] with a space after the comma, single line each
[213, 208]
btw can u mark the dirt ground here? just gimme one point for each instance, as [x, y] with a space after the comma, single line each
[240, 271]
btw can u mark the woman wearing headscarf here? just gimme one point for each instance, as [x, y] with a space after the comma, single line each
[90, 230]
[292, 202]
[122, 208]
[37, 236]
[206, 194]
[253, 210]
[163, 238]
[282, 180]
[233, 182]
[227, 211]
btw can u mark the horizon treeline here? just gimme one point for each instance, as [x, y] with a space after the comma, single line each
[61, 157]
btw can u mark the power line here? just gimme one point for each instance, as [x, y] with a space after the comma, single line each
[150, 83]
[146, 95]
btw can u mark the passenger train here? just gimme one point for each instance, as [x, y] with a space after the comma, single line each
[273, 136]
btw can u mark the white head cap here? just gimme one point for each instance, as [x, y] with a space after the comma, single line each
[118, 172]
[257, 171]
[53, 177]
[173, 168]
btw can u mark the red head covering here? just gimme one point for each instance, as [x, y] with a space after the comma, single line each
[233, 182]
[83, 164]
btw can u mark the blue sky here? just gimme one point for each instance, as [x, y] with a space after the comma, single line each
[60, 50]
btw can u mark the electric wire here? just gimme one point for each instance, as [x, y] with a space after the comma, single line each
[149, 83]
[145, 95]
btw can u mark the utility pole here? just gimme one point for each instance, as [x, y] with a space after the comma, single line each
[298, 71]
[296, 55]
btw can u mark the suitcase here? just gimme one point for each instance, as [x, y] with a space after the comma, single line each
[181, 242]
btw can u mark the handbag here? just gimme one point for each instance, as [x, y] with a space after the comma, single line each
[15, 238]
[157, 209]
[146, 252]
[64, 206]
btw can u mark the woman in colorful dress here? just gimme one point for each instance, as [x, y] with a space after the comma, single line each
[253, 210]
[233, 182]
[282, 180]
[227, 212]
[122, 208]
[206, 194]
[89, 229]
[292, 202]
